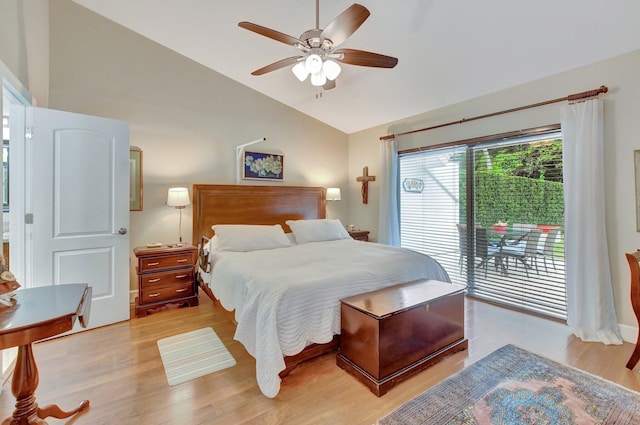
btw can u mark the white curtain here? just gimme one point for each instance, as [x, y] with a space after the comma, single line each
[590, 310]
[389, 221]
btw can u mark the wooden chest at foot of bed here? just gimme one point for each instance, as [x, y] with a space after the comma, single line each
[393, 333]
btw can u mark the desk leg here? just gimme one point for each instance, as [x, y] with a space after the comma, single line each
[23, 386]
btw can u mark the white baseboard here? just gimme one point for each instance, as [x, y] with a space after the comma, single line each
[628, 333]
[132, 296]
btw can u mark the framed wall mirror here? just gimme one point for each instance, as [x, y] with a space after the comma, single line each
[135, 179]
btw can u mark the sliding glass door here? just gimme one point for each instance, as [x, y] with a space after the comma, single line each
[492, 213]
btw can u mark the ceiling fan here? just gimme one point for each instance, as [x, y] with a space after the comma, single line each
[319, 56]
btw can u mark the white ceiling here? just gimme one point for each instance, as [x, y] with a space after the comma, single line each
[448, 50]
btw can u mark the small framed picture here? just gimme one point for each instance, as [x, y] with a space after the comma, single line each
[135, 179]
[262, 166]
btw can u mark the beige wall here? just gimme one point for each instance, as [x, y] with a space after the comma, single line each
[24, 44]
[186, 118]
[622, 110]
[14, 54]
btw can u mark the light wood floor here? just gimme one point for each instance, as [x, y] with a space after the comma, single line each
[118, 368]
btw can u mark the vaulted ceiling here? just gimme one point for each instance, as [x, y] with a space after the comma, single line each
[448, 50]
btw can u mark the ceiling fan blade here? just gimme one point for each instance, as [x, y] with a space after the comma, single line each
[268, 32]
[277, 65]
[362, 58]
[330, 84]
[345, 24]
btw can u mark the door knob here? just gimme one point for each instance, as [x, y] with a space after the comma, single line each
[122, 231]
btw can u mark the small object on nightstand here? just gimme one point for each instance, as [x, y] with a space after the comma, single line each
[165, 275]
[154, 245]
[359, 235]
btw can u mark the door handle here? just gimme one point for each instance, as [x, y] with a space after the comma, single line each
[122, 231]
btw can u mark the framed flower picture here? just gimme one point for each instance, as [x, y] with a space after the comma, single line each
[262, 166]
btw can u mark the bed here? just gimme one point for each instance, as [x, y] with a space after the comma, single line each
[285, 299]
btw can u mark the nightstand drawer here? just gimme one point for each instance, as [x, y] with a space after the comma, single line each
[165, 278]
[166, 275]
[360, 235]
[176, 260]
[163, 293]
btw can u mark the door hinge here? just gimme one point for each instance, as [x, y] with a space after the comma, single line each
[28, 218]
[28, 133]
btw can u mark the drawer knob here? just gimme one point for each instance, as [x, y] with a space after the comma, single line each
[153, 264]
[183, 260]
[180, 276]
[182, 290]
[153, 295]
[154, 280]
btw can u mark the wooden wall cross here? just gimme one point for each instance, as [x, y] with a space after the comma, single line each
[365, 178]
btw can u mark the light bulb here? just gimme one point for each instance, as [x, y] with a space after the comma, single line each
[313, 63]
[300, 71]
[331, 69]
[318, 79]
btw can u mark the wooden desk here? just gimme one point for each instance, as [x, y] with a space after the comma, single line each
[40, 313]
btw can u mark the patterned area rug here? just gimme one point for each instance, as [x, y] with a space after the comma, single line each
[512, 386]
[193, 354]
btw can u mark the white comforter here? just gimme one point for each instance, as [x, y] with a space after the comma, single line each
[288, 298]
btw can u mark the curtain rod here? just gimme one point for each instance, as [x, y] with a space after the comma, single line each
[570, 98]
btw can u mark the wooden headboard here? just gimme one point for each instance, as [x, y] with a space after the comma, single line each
[235, 204]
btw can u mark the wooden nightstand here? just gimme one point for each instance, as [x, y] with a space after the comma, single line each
[359, 235]
[165, 275]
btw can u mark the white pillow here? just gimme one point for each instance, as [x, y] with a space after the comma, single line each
[306, 231]
[291, 238]
[211, 246]
[246, 237]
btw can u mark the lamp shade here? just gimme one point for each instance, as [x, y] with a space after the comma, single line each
[300, 71]
[318, 79]
[333, 194]
[331, 69]
[313, 63]
[178, 197]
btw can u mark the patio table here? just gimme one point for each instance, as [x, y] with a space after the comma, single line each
[505, 236]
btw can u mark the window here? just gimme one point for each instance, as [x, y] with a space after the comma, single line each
[5, 163]
[492, 213]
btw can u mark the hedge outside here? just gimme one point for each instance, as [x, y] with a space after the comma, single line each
[512, 199]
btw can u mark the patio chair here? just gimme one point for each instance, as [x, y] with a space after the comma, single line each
[548, 249]
[525, 251]
[483, 250]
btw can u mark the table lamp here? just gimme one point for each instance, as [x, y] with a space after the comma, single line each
[178, 197]
[333, 194]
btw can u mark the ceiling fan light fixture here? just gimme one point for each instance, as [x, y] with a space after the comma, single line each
[331, 69]
[318, 56]
[313, 63]
[318, 79]
[300, 71]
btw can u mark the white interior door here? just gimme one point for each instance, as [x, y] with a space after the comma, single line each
[78, 195]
